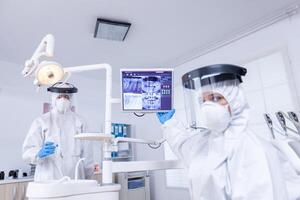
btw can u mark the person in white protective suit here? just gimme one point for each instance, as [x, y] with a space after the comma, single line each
[50, 142]
[223, 159]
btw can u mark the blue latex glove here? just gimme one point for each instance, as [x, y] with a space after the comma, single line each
[47, 149]
[165, 116]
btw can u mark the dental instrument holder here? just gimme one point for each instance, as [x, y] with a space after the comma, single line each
[287, 128]
[270, 124]
[293, 116]
[295, 120]
[282, 122]
[290, 146]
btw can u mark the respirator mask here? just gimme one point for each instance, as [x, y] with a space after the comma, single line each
[62, 105]
[214, 116]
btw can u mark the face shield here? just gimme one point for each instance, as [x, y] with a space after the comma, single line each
[206, 96]
[62, 97]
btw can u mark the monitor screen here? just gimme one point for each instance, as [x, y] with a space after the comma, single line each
[147, 90]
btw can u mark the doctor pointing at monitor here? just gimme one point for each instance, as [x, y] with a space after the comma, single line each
[223, 158]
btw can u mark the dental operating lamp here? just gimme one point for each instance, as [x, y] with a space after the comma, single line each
[47, 73]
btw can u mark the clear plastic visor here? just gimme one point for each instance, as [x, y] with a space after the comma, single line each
[207, 105]
[64, 96]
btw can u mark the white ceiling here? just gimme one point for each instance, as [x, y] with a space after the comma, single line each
[162, 31]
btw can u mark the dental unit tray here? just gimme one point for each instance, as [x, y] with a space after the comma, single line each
[94, 136]
[111, 138]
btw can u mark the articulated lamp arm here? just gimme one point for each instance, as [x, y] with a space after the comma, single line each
[45, 48]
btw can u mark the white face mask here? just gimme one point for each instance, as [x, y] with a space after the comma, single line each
[62, 105]
[215, 116]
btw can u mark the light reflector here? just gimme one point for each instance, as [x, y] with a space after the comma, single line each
[49, 73]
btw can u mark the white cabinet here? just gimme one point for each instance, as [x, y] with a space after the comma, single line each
[134, 186]
[13, 190]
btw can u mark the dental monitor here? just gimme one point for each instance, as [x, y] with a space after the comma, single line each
[147, 90]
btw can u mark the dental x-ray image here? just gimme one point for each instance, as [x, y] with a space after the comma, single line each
[146, 91]
[151, 93]
[132, 90]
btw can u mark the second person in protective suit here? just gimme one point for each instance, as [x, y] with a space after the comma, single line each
[50, 142]
[223, 158]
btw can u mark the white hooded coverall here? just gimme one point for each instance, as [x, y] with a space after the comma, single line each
[60, 129]
[234, 165]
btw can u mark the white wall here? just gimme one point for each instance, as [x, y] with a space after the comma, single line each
[282, 35]
[19, 104]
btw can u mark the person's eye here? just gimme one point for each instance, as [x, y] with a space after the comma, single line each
[217, 98]
[210, 98]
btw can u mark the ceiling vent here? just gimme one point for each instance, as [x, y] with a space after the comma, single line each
[111, 30]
